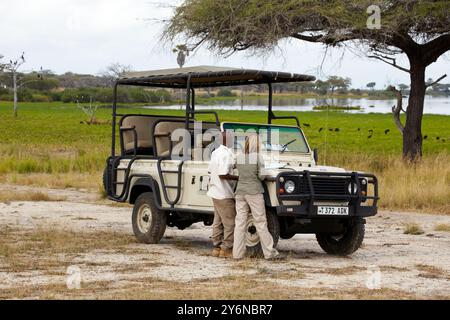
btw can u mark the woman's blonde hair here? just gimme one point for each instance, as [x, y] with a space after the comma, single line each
[252, 144]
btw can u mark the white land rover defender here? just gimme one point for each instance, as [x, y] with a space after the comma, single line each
[167, 183]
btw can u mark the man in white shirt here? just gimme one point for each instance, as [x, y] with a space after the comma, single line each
[221, 190]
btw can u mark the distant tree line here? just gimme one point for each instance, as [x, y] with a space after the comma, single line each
[72, 87]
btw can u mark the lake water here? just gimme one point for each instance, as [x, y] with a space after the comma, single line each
[433, 105]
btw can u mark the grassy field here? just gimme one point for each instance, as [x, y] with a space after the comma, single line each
[48, 146]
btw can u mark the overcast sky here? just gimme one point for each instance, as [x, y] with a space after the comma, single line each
[84, 36]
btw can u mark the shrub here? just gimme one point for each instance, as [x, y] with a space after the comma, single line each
[6, 97]
[55, 95]
[225, 93]
[163, 95]
[69, 95]
[105, 95]
[25, 95]
[139, 95]
[39, 97]
[413, 229]
[442, 227]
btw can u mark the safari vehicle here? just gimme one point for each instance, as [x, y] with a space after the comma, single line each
[300, 195]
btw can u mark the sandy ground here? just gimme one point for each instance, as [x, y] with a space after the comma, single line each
[410, 266]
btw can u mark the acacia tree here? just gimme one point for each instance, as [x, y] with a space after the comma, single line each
[384, 29]
[371, 85]
[114, 71]
[339, 83]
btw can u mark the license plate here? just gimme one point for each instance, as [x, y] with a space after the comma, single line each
[332, 211]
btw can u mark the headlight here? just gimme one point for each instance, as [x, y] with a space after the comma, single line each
[289, 186]
[352, 188]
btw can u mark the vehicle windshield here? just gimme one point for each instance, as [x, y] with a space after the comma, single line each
[274, 138]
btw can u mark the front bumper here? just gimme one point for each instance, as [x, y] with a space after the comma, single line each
[312, 189]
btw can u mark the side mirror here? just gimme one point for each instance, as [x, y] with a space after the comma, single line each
[316, 155]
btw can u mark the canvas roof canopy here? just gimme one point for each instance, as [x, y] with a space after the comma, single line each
[207, 76]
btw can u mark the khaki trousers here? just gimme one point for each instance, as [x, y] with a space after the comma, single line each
[223, 225]
[255, 205]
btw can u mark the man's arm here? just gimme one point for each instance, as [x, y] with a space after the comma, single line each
[229, 177]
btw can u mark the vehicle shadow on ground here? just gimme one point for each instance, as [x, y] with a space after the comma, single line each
[203, 246]
[187, 242]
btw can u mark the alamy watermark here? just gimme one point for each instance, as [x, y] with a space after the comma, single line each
[199, 143]
[373, 281]
[73, 277]
[374, 19]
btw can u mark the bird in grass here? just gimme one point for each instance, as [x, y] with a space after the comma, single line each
[359, 129]
[306, 125]
[387, 131]
[331, 129]
[370, 131]
[425, 137]
[337, 130]
[369, 137]
[437, 138]
[320, 130]
[443, 140]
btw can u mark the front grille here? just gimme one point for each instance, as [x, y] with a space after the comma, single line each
[323, 185]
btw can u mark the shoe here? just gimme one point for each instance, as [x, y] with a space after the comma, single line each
[278, 257]
[216, 252]
[228, 253]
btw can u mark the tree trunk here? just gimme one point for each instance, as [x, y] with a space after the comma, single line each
[15, 93]
[412, 135]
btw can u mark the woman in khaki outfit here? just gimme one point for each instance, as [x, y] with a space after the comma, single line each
[249, 198]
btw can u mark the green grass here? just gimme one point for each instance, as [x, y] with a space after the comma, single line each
[47, 146]
[48, 137]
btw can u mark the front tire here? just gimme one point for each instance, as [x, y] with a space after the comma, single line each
[149, 223]
[254, 249]
[343, 244]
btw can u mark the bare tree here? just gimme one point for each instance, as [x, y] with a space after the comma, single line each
[398, 109]
[13, 68]
[90, 110]
[114, 71]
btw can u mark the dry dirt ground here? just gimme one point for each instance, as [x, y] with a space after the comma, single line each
[81, 247]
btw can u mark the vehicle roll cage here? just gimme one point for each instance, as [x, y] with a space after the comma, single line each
[203, 77]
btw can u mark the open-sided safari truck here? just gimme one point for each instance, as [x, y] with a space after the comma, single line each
[165, 176]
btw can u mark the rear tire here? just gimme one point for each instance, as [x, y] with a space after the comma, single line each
[254, 249]
[149, 223]
[343, 244]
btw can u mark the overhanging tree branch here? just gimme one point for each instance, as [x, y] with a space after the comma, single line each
[434, 82]
[435, 48]
[310, 38]
[393, 62]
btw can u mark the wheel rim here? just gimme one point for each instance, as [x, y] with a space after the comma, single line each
[144, 218]
[251, 235]
[337, 238]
